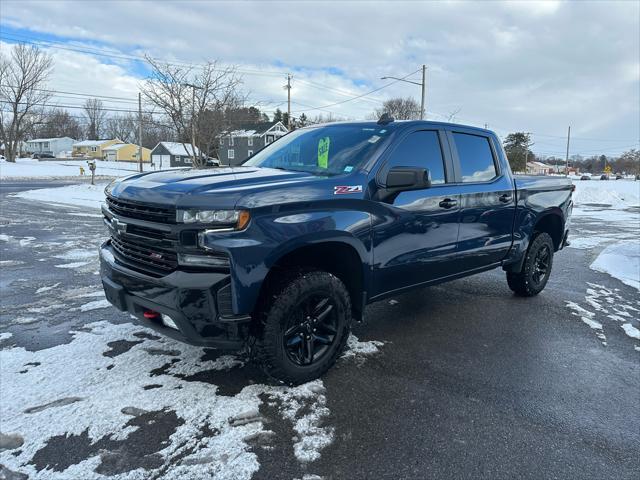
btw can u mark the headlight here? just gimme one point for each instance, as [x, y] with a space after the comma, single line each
[231, 219]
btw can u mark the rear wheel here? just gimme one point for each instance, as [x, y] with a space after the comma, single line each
[536, 268]
[304, 327]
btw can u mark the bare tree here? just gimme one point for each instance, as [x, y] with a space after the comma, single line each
[58, 123]
[22, 78]
[95, 114]
[400, 109]
[124, 127]
[187, 95]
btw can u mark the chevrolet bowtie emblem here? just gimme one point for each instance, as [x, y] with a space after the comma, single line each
[118, 226]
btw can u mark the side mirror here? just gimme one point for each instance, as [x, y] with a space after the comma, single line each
[400, 179]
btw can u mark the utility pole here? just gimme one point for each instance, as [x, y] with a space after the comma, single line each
[423, 86]
[140, 130]
[566, 167]
[288, 87]
[423, 112]
[193, 122]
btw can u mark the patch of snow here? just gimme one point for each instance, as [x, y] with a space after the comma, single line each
[11, 263]
[73, 265]
[617, 194]
[5, 238]
[5, 336]
[46, 289]
[631, 331]
[95, 305]
[26, 241]
[356, 348]
[77, 254]
[622, 261]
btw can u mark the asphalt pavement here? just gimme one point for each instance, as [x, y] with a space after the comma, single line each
[471, 382]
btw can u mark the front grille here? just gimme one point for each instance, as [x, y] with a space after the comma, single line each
[141, 211]
[144, 258]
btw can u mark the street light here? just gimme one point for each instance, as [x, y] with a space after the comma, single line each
[423, 84]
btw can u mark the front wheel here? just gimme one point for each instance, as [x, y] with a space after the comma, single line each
[536, 268]
[304, 328]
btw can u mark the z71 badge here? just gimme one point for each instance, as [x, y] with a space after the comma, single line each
[344, 189]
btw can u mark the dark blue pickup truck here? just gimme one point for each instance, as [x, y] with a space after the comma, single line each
[283, 252]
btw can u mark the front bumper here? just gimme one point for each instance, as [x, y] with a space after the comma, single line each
[198, 303]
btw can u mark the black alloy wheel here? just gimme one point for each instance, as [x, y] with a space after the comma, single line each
[311, 331]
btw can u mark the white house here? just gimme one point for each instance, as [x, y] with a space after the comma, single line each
[539, 168]
[53, 146]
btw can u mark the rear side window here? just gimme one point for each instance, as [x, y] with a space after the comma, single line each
[476, 158]
[419, 149]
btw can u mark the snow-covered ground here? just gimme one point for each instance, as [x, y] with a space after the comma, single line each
[601, 205]
[57, 169]
[106, 395]
[85, 195]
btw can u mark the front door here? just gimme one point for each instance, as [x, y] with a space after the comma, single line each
[416, 235]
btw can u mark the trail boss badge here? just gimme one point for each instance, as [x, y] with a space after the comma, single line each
[344, 189]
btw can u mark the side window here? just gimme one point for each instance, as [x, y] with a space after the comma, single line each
[419, 149]
[476, 158]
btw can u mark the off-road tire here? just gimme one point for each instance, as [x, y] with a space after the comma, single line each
[524, 283]
[276, 309]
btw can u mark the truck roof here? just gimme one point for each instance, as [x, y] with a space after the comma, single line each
[397, 124]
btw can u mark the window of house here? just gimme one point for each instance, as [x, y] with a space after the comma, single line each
[187, 160]
[476, 157]
[250, 141]
[94, 149]
[230, 153]
[249, 153]
[221, 141]
[419, 149]
[269, 139]
[231, 141]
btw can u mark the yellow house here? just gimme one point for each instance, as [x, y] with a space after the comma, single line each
[92, 148]
[125, 152]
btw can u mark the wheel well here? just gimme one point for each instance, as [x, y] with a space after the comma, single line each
[340, 259]
[551, 224]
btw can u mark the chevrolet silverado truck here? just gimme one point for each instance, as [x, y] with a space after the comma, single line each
[282, 253]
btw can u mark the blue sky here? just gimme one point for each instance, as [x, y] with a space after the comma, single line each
[527, 66]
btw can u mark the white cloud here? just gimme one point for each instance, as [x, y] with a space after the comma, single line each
[535, 66]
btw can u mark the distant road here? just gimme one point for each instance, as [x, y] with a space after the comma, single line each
[9, 186]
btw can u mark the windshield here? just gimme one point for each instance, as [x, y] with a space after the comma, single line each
[329, 150]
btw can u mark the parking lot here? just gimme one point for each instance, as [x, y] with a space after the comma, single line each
[462, 380]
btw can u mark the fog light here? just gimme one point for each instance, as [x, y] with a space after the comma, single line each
[168, 322]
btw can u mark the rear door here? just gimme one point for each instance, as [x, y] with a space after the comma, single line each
[487, 200]
[415, 240]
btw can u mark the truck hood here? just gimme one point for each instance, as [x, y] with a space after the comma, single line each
[247, 187]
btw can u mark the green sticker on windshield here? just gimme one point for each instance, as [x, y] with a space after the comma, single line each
[323, 152]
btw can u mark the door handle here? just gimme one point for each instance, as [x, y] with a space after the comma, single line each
[448, 203]
[505, 198]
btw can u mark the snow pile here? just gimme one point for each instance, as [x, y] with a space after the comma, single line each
[84, 195]
[622, 261]
[614, 193]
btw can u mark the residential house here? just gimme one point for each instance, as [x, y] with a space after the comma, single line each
[173, 154]
[238, 145]
[93, 148]
[125, 152]
[53, 146]
[539, 168]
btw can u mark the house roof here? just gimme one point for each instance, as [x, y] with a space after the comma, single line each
[49, 139]
[116, 146]
[175, 148]
[253, 129]
[539, 164]
[93, 143]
